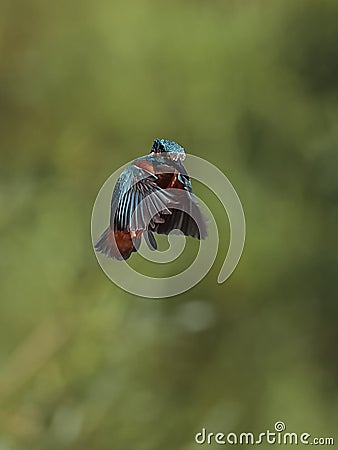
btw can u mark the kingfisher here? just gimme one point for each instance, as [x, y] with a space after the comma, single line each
[152, 195]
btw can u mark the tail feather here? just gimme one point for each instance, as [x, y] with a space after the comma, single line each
[115, 244]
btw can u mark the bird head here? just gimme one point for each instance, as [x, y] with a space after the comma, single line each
[168, 148]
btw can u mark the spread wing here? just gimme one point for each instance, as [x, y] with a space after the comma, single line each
[187, 218]
[156, 196]
[186, 215]
[138, 203]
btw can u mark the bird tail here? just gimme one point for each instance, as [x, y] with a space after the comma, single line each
[115, 244]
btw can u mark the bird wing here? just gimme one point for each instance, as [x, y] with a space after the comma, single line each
[186, 216]
[138, 203]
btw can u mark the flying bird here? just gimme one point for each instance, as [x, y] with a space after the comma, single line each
[152, 195]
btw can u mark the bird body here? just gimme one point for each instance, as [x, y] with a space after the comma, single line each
[153, 194]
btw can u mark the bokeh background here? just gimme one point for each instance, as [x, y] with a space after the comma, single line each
[86, 86]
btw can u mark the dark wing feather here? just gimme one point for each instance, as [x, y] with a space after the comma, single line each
[188, 218]
[150, 240]
[138, 202]
[190, 221]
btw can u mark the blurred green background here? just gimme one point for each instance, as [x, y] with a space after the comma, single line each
[86, 86]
